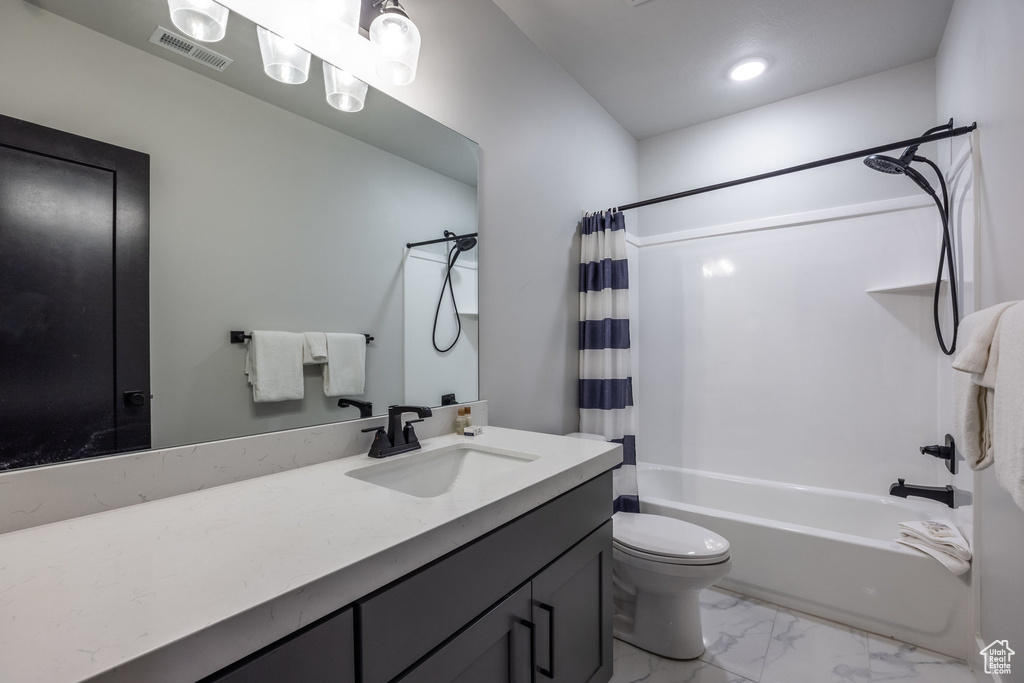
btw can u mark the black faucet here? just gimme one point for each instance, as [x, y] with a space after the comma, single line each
[942, 494]
[365, 407]
[396, 439]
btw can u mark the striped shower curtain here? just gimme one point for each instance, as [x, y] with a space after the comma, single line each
[606, 379]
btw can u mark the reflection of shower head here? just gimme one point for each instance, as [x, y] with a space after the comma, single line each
[465, 243]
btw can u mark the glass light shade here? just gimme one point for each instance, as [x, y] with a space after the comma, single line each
[344, 12]
[203, 20]
[344, 91]
[283, 60]
[399, 42]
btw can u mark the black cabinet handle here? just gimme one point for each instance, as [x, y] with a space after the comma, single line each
[533, 649]
[550, 671]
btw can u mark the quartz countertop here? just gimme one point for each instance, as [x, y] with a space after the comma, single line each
[176, 589]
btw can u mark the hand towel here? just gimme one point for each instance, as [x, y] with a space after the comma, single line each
[345, 372]
[274, 365]
[1008, 418]
[314, 350]
[939, 536]
[953, 564]
[976, 333]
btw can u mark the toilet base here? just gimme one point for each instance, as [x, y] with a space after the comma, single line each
[665, 625]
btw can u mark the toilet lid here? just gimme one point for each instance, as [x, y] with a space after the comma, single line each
[673, 539]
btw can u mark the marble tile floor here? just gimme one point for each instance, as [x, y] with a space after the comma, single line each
[751, 641]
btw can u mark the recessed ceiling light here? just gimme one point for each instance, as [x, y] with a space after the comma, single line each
[747, 69]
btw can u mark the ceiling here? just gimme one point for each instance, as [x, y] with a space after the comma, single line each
[663, 64]
[384, 123]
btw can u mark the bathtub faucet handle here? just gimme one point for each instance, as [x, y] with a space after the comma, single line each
[947, 453]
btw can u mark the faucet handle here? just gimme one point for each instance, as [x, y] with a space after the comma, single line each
[409, 433]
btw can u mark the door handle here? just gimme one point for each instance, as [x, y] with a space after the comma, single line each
[533, 650]
[550, 671]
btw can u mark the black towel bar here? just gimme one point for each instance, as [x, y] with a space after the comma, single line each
[239, 337]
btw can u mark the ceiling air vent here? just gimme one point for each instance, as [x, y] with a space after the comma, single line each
[186, 48]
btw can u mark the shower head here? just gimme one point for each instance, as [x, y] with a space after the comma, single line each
[901, 166]
[465, 243]
[879, 162]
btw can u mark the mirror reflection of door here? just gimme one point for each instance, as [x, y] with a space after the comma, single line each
[74, 297]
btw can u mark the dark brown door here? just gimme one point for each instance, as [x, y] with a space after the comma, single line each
[73, 297]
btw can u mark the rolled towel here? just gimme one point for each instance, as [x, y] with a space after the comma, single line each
[314, 350]
[939, 536]
[274, 365]
[345, 371]
[953, 564]
[977, 332]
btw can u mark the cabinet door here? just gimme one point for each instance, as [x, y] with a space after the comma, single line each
[496, 648]
[322, 653]
[572, 608]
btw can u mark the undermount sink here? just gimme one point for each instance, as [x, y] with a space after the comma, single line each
[432, 473]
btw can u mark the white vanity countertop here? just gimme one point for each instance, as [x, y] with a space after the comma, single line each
[176, 589]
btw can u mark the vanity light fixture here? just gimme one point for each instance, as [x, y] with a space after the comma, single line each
[283, 60]
[344, 12]
[748, 69]
[399, 42]
[203, 20]
[344, 91]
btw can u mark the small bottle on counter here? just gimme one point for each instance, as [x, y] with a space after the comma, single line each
[460, 422]
[469, 420]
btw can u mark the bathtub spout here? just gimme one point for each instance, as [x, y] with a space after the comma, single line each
[942, 494]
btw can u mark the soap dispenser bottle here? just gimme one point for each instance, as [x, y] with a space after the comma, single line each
[460, 422]
[469, 420]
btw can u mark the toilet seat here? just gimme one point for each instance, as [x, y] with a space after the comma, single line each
[657, 538]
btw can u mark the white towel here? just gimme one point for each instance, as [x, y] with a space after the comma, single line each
[953, 564]
[939, 536]
[1008, 418]
[972, 420]
[345, 372]
[976, 334]
[314, 350]
[977, 361]
[273, 362]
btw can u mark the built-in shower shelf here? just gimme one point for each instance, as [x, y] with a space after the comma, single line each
[915, 288]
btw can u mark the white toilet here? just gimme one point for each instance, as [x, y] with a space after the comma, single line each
[659, 566]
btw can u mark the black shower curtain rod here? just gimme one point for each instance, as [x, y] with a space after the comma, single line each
[410, 245]
[941, 135]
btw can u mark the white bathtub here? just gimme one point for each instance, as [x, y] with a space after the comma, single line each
[821, 551]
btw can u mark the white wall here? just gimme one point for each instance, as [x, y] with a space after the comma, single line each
[548, 151]
[978, 78]
[887, 107]
[786, 369]
[255, 218]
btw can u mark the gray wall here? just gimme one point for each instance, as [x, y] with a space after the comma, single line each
[548, 151]
[260, 220]
[979, 74]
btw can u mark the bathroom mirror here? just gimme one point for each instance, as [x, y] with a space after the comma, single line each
[270, 210]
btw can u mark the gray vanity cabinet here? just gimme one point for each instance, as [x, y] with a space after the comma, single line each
[323, 652]
[527, 602]
[495, 649]
[571, 611]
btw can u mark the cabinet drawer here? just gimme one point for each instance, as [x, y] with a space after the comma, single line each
[323, 653]
[406, 620]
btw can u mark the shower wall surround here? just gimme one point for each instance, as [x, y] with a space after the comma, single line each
[773, 359]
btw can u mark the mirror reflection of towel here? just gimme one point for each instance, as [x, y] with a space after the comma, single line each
[345, 371]
[273, 362]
